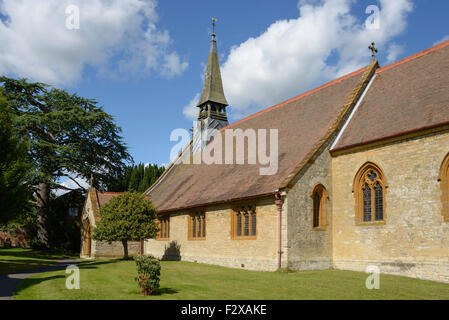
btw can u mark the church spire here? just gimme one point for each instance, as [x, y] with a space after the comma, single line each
[212, 105]
[213, 86]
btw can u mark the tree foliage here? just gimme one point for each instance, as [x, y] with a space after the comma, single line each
[14, 193]
[67, 136]
[127, 217]
[135, 178]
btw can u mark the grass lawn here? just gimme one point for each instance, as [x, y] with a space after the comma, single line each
[114, 279]
[18, 259]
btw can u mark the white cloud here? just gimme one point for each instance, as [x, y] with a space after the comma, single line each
[324, 42]
[445, 38]
[394, 51]
[173, 66]
[118, 37]
[190, 110]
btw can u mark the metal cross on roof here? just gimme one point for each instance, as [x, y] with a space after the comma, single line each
[373, 50]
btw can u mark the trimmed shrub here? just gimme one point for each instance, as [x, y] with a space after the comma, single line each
[149, 270]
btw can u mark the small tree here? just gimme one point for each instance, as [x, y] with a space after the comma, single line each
[128, 217]
[149, 271]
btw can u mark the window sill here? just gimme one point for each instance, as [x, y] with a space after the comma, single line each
[245, 238]
[373, 224]
[163, 239]
[319, 229]
[196, 239]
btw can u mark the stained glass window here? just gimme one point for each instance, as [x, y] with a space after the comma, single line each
[369, 193]
[372, 176]
[367, 203]
[378, 202]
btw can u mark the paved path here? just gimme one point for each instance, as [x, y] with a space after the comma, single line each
[9, 282]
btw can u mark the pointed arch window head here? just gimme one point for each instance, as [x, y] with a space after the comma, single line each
[319, 207]
[369, 192]
[444, 184]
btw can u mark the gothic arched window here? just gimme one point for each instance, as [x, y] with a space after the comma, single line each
[369, 192]
[444, 183]
[319, 213]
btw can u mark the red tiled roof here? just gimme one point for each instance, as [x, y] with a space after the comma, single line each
[104, 197]
[301, 122]
[406, 96]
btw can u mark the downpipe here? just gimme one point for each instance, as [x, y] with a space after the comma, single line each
[279, 203]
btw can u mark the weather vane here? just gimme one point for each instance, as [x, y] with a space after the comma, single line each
[373, 50]
[214, 20]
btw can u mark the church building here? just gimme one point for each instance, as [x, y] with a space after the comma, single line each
[91, 248]
[362, 177]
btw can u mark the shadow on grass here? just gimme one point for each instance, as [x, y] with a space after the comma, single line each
[94, 264]
[162, 291]
[36, 254]
[29, 282]
[12, 266]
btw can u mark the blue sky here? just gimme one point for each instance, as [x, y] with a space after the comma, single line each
[290, 51]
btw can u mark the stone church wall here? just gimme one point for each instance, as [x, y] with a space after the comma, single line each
[218, 248]
[102, 249]
[414, 241]
[310, 249]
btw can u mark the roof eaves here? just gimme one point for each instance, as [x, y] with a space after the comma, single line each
[207, 204]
